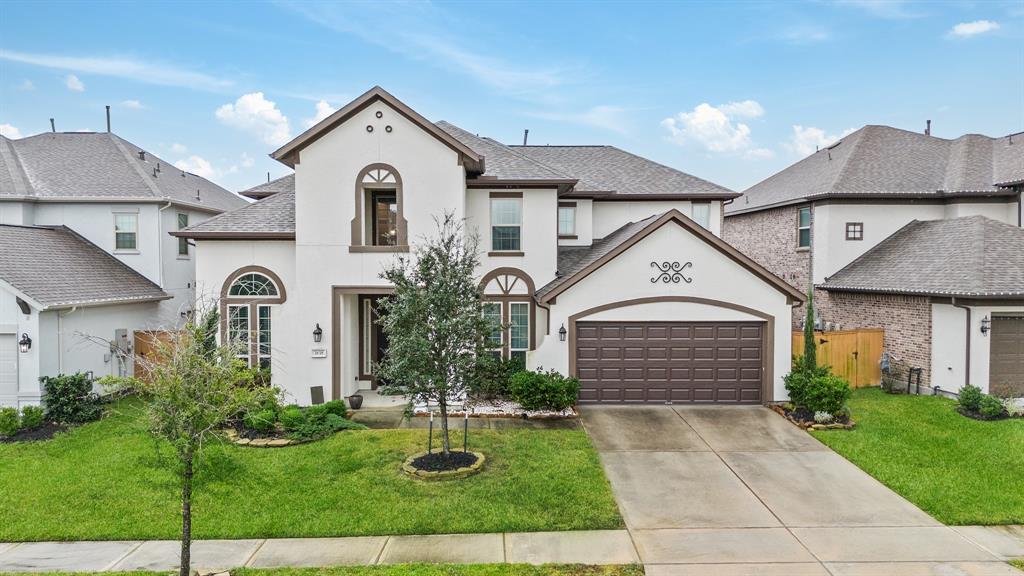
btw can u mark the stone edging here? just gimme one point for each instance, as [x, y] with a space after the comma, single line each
[233, 437]
[812, 425]
[463, 472]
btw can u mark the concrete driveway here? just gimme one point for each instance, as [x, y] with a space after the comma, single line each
[738, 490]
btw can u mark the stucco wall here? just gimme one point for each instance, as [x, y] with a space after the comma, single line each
[628, 277]
[539, 233]
[949, 350]
[609, 216]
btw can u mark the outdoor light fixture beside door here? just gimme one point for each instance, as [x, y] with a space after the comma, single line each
[318, 333]
[986, 324]
[561, 333]
[25, 344]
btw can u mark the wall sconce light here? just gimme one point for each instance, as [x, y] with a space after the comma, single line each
[986, 323]
[318, 333]
[25, 344]
[561, 333]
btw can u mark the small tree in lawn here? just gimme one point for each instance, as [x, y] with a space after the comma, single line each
[194, 386]
[810, 346]
[434, 322]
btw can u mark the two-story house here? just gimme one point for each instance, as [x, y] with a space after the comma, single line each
[85, 254]
[904, 231]
[600, 264]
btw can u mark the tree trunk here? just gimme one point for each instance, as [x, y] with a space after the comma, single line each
[186, 516]
[445, 445]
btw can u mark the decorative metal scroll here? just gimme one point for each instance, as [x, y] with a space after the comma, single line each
[671, 272]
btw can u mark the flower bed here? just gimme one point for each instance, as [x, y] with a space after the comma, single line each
[497, 408]
[275, 426]
[804, 418]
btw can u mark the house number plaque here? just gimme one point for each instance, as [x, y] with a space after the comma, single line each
[671, 272]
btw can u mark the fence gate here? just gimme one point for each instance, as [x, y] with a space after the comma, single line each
[852, 354]
[147, 346]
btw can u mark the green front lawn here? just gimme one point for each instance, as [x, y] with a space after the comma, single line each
[105, 481]
[961, 471]
[1018, 563]
[419, 570]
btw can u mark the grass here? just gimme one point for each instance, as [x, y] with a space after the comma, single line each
[959, 470]
[421, 570]
[1018, 563]
[108, 480]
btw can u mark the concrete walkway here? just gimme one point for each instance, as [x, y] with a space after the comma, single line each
[584, 547]
[740, 491]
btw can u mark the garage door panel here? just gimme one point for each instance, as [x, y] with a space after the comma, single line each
[678, 362]
[1006, 356]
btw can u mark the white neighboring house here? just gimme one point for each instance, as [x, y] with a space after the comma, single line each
[602, 264]
[84, 223]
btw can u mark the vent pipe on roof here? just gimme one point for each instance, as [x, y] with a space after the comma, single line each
[268, 177]
[108, 119]
[526, 134]
[142, 155]
[928, 128]
[53, 127]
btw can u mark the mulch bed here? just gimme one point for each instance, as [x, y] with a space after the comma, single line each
[980, 416]
[44, 432]
[250, 434]
[804, 418]
[438, 462]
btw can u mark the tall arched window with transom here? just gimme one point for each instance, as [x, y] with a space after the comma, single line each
[248, 298]
[379, 224]
[509, 302]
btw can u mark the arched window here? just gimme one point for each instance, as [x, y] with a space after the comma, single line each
[247, 299]
[509, 301]
[379, 223]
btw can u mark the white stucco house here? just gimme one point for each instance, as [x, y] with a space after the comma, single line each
[85, 254]
[604, 265]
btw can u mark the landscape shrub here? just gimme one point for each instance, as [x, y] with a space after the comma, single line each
[119, 385]
[336, 407]
[320, 423]
[260, 420]
[69, 399]
[799, 381]
[291, 417]
[9, 421]
[1014, 408]
[31, 417]
[970, 398]
[827, 393]
[543, 390]
[990, 406]
[493, 377]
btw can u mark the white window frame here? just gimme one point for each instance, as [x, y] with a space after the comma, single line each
[524, 349]
[246, 354]
[519, 202]
[182, 242]
[571, 210]
[134, 232]
[800, 228]
[705, 219]
[367, 367]
[260, 354]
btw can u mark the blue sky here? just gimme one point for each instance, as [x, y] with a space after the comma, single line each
[728, 91]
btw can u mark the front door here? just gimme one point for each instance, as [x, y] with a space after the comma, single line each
[373, 341]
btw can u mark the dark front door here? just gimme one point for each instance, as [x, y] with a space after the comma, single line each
[670, 362]
[373, 342]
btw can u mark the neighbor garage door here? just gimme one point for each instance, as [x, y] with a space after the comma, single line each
[678, 362]
[1006, 372]
[8, 365]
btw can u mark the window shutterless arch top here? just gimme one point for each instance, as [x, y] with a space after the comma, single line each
[378, 177]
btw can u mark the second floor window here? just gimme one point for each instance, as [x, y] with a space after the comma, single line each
[702, 214]
[854, 230]
[384, 220]
[182, 242]
[506, 224]
[803, 228]
[566, 219]
[126, 231]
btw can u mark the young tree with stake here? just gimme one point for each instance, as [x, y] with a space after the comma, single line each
[434, 321]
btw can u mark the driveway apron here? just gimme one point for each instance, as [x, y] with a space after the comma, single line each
[739, 490]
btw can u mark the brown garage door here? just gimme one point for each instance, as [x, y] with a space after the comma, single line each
[677, 362]
[1006, 372]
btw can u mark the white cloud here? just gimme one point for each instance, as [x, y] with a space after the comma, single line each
[26, 85]
[806, 34]
[178, 148]
[247, 161]
[74, 84]
[888, 9]
[323, 110]
[142, 71]
[714, 129]
[807, 140]
[255, 114]
[10, 131]
[133, 104]
[970, 29]
[611, 118]
[197, 165]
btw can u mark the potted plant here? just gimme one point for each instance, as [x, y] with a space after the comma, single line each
[355, 401]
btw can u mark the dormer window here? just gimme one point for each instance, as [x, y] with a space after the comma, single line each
[379, 224]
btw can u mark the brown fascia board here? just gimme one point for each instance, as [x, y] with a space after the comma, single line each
[1015, 296]
[561, 184]
[198, 235]
[287, 153]
[678, 217]
[616, 197]
[938, 195]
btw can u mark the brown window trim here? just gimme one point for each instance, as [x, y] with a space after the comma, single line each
[566, 204]
[506, 298]
[500, 254]
[858, 230]
[253, 303]
[506, 195]
[378, 248]
[360, 191]
[568, 237]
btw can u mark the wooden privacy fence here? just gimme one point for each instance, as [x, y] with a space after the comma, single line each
[147, 346]
[852, 354]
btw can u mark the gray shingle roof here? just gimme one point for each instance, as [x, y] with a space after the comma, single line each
[572, 259]
[609, 169]
[282, 184]
[99, 166]
[973, 256]
[502, 161]
[273, 217]
[58, 268]
[881, 161]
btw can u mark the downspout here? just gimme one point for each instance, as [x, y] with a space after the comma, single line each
[160, 242]
[967, 335]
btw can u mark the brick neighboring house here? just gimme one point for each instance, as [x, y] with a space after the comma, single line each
[842, 204]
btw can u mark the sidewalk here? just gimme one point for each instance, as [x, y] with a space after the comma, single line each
[582, 547]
